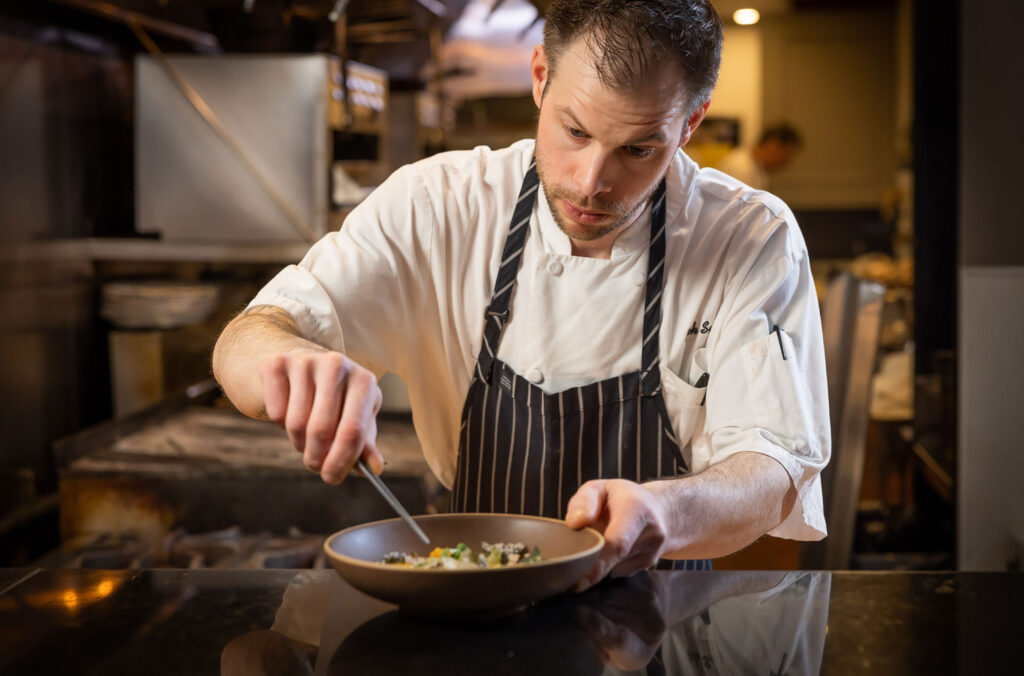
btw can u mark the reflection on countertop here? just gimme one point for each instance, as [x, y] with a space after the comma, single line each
[312, 622]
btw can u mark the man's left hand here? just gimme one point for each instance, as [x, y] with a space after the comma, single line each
[633, 519]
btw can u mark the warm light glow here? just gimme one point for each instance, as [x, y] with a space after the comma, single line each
[74, 599]
[746, 17]
[70, 599]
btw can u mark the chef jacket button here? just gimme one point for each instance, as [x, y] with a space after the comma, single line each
[535, 376]
[639, 278]
[555, 268]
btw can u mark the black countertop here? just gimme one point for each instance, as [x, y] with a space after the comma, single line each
[312, 622]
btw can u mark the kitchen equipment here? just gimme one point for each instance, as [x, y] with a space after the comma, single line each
[157, 304]
[392, 500]
[187, 467]
[567, 554]
[275, 130]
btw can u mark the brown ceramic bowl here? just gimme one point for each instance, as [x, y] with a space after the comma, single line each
[567, 554]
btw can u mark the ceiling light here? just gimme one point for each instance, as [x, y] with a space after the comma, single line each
[746, 17]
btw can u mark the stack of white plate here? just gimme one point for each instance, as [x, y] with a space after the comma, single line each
[157, 305]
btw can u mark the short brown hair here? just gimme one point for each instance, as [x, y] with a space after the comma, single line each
[629, 39]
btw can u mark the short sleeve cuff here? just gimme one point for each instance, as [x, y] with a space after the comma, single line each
[310, 306]
[807, 519]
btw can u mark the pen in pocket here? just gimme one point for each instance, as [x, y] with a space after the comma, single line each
[778, 334]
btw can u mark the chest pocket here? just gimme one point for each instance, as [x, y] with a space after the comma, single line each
[685, 405]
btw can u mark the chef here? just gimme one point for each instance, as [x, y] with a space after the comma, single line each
[590, 327]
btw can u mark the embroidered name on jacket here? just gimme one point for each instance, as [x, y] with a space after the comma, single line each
[703, 328]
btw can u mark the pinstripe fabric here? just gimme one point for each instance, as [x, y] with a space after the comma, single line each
[525, 451]
[498, 311]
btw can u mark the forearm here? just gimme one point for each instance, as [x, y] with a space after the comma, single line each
[254, 334]
[726, 507]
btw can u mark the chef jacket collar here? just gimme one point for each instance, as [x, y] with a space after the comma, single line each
[637, 236]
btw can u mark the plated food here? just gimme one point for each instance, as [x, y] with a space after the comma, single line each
[465, 591]
[496, 555]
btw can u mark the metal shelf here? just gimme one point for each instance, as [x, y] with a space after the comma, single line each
[116, 249]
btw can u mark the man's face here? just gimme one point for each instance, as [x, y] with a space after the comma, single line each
[600, 154]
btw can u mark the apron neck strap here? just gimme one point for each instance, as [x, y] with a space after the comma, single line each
[650, 374]
[498, 310]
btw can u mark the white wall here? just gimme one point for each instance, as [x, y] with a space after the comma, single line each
[833, 76]
[738, 92]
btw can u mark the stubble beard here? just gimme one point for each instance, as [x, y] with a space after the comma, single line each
[622, 214]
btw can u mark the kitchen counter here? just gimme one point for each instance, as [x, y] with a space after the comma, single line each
[311, 622]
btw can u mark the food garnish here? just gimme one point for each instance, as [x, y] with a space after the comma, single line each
[498, 555]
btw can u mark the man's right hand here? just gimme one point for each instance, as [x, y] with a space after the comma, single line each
[328, 404]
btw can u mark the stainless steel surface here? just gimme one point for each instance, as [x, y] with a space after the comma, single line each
[392, 500]
[143, 250]
[849, 447]
[105, 435]
[839, 313]
[191, 185]
[229, 548]
[202, 469]
[225, 135]
[185, 438]
[851, 318]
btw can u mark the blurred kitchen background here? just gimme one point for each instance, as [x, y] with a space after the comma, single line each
[161, 159]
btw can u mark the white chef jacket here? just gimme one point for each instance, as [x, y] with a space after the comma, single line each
[403, 287]
[777, 631]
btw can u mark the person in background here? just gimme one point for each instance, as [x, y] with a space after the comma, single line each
[590, 327]
[773, 152]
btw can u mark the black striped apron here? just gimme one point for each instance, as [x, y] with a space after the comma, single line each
[524, 451]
